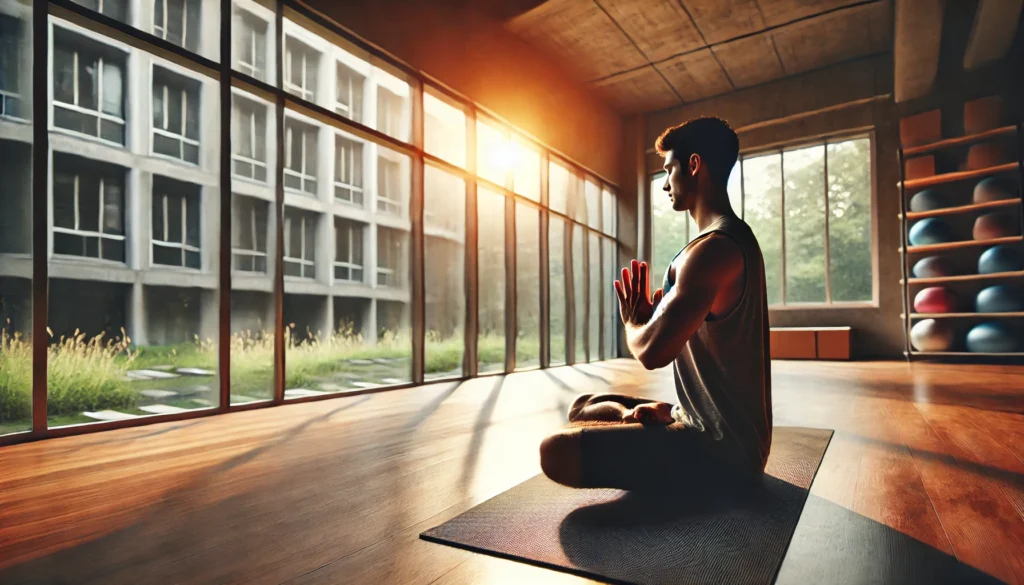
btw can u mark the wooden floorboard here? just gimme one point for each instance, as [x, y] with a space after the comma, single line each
[927, 456]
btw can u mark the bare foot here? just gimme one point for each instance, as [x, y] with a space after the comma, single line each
[652, 413]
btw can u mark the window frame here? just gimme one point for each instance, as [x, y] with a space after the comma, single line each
[302, 175]
[355, 98]
[183, 245]
[350, 186]
[101, 61]
[302, 91]
[181, 138]
[258, 106]
[255, 252]
[356, 232]
[163, 30]
[301, 261]
[247, 17]
[100, 234]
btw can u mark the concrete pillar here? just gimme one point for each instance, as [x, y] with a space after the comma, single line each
[136, 324]
[326, 325]
[209, 315]
[370, 255]
[323, 255]
[370, 323]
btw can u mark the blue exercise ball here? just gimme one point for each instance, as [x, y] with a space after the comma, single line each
[933, 267]
[927, 201]
[930, 231]
[994, 189]
[993, 337]
[1000, 259]
[1001, 298]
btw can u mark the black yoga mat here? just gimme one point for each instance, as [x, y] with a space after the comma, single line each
[641, 539]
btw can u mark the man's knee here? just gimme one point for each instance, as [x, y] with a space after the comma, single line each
[577, 405]
[561, 457]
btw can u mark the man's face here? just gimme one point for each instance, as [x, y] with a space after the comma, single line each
[681, 190]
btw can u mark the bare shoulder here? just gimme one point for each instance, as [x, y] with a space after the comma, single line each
[715, 259]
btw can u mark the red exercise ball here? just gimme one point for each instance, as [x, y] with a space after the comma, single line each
[935, 299]
[995, 225]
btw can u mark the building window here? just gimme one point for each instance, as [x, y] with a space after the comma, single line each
[250, 44]
[300, 157]
[249, 234]
[389, 186]
[175, 223]
[116, 9]
[88, 87]
[248, 139]
[300, 63]
[348, 171]
[175, 116]
[10, 64]
[177, 21]
[299, 243]
[350, 93]
[389, 112]
[390, 247]
[88, 208]
[348, 250]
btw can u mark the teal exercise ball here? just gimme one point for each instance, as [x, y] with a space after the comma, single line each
[927, 201]
[931, 335]
[1001, 298]
[1000, 259]
[930, 231]
[933, 267]
[994, 189]
[993, 337]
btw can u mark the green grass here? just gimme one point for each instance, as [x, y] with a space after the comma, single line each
[90, 374]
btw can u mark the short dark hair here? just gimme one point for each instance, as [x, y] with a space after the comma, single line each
[710, 137]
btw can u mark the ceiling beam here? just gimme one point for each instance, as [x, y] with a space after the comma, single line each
[995, 24]
[916, 47]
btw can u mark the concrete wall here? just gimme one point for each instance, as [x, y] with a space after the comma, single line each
[479, 58]
[823, 102]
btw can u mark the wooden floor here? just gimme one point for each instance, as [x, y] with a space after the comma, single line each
[337, 491]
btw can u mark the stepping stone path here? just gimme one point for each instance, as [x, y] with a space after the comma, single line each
[361, 362]
[365, 385]
[385, 360]
[393, 381]
[301, 392]
[162, 409]
[151, 375]
[162, 368]
[195, 372]
[328, 386]
[158, 393]
[109, 415]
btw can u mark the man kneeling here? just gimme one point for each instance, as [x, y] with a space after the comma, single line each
[709, 319]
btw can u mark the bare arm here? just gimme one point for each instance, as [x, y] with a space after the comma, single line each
[706, 272]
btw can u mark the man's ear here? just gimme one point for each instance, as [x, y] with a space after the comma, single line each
[695, 164]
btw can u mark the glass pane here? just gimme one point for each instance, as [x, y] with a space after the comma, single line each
[394, 105]
[668, 232]
[805, 224]
[611, 304]
[593, 198]
[594, 298]
[556, 289]
[527, 286]
[494, 155]
[16, 223]
[525, 169]
[609, 212]
[849, 230]
[735, 190]
[444, 130]
[444, 198]
[762, 210]
[491, 279]
[394, 176]
[125, 350]
[579, 292]
[253, 35]
[561, 187]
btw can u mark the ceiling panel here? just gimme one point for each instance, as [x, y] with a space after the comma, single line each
[778, 12]
[838, 36]
[722, 20]
[642, 90]
[580, 34]
[661, 28]
[696, 75]
[749, 61]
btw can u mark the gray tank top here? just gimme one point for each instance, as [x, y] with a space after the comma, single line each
[723, 374]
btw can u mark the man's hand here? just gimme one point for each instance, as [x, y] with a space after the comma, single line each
[636, 306]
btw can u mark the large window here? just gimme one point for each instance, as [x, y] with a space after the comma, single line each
[88, 87]
[11, 76]
[116, 9]
[491, 279]
[300, 156]
[250, 44]
[299, 243]
[176, 240]
[176, 116]
[556, 290]
[249, 138]
[391, 257]
[300, 65]
[444, 198]
[88, 208]
[528, 299]
[348, 170]
[177, 21]
[349, 97]
[348, 250]
[249, 231]
[390, 185]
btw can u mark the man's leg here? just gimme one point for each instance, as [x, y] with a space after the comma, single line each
[619, 408]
